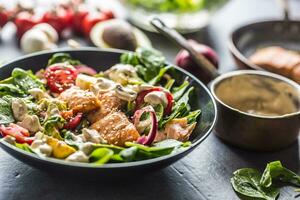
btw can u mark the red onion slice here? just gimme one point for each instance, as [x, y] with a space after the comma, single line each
[83, 69]
[146, 139]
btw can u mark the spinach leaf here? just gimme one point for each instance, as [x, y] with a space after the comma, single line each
[275, 170]
[145, 152]
[169, 84]
[6, 114]
[128, 155]
[179, 91]
[24, 147]
[192, 116]
[63, 58]
[101, 155]
[152, 59]
[10, 89]
[246, 182]
[130, 58]
[52, 126]
[26, 80]
[115, 149]
[148, 63]
[158, 77]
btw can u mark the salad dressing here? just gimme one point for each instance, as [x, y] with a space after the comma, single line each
[256, 95]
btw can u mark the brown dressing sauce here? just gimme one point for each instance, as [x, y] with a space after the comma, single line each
[259, 95]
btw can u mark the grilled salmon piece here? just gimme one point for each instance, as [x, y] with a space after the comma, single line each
[80, 100]
[276, 59]
[177, 129]
[116, 129]
[109, 102]
[296, 74]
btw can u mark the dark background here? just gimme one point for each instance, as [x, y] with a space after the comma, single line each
[203, 174]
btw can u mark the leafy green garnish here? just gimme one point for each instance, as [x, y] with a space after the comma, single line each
[101, 156]
[251, 183]
[63, 58]
[10, 89]
[52, 126]
[193, 116]
[148, 62]
[169, 84]
[275, 170]
[246, 182]
[179, 91]
[24, 147]
[25, 80]
[6, 114]
[160, 74]
[129, 154]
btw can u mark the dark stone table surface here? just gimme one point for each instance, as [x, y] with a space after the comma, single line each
[203, 174]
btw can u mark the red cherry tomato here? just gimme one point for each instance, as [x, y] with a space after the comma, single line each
[19, 133]
[80, 13]
[74, 122]
[60, 77]
[5, 16]
[25, 21]
[90, 20]
[60, 18]
[109, 14]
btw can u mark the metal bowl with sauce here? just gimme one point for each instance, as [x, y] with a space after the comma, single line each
[257, 110]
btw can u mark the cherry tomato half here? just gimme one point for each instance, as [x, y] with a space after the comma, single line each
[60, 77]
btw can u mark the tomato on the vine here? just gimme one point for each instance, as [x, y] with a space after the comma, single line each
[5, 16]
[90, 20]
[60, 77]
[80, 12]
[25, 21]
[60, 18]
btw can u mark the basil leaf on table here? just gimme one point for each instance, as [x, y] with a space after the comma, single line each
[101, 155]
[246, 182]
[275, 170]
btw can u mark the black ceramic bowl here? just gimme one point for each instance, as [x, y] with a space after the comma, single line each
[101, 60]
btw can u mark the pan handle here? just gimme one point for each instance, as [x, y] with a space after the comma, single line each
[174, 36]
[284, 5]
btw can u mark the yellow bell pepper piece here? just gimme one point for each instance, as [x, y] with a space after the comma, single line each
[59, 148]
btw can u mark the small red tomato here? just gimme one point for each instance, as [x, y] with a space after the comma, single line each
[60, 18]
[80, 13]
[90, 20]
[109, 14]
[5, 16]
[25, 21]
[74, 122]
[60, 77]
[19, 133]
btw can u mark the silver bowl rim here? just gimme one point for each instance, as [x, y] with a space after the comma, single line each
[222, 77]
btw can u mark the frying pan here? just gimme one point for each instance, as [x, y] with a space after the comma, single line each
[244, 129]
[106, 58]
[245, 40]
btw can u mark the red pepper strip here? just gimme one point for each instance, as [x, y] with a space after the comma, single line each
[147, 139]
[140, 99]
[19, 133]
[74, 122]
[168, 108]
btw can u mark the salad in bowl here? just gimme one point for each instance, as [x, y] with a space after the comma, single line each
[133, 111]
